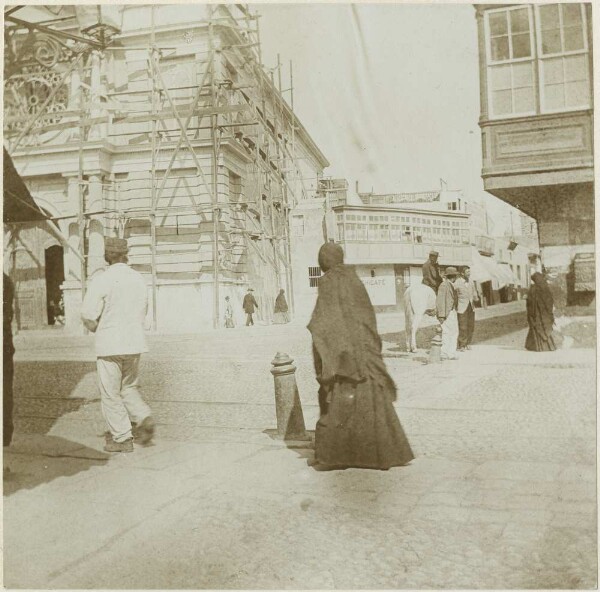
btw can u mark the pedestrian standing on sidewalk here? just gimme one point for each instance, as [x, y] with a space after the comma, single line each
[250, 305]
[358, 426]
[540, 315]
[228, 314]
[280, 314]
[114, 308]
[446, 303]
[467, 296]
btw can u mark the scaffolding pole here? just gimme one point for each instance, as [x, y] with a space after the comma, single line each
[81, 209]
[153, 57]
[215, 172]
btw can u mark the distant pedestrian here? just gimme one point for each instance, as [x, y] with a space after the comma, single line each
[358, 426]
[8, 352]
[446, 303]
[540, 315]
[467, 296]
[250, 305]
[115, 308]
[228, 314]
[280, 314]
[431, 272]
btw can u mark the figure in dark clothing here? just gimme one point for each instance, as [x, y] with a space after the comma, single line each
[250, 305]
[431, 272]
[540, 315]
[280, 314]
[358, 426]
[7, 361]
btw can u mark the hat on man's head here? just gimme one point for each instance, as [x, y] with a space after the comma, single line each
[250, 289]
[115, 246]
[434, 253]
[451, 271]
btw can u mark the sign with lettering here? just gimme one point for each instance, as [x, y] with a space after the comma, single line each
[382, 289]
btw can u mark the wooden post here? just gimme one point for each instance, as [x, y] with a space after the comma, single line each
[215, 172]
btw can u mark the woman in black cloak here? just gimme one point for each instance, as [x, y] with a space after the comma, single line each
[358, 426]
[540, 315]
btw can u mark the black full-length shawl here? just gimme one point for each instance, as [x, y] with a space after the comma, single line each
[358, 426]
[540, 315]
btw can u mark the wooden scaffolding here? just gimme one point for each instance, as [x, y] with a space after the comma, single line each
[235, 106]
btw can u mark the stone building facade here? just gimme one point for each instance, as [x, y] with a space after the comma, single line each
[173, 137]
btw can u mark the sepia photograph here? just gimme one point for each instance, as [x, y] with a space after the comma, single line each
[299, 296]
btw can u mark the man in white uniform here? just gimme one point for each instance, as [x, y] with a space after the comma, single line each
[114, 308]
[446, 303]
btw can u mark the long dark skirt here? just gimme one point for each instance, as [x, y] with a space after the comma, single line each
[539, 340]
[359, 427]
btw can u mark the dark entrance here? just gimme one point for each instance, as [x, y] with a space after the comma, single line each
[55, 276]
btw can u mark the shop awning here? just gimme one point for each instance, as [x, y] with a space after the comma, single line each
[508, 274]
[19, 206]
[479, 272]
[501, 274]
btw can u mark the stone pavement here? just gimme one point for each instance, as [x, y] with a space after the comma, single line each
[502, 493]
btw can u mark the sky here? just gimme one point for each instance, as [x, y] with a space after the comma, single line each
[389, 92]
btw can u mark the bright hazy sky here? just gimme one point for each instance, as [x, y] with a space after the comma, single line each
[389, 92]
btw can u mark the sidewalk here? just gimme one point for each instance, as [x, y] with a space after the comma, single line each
[501, 494]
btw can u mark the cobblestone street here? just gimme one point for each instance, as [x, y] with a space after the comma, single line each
[501, 494]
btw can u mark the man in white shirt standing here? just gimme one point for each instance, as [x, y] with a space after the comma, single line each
[467, 296]
[114, 308]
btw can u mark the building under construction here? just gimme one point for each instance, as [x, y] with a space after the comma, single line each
[159, 124]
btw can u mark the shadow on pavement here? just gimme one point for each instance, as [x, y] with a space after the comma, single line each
[30, 462]
[45, 391]
[486, 330]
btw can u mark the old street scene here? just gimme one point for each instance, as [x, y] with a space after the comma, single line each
[299, 296]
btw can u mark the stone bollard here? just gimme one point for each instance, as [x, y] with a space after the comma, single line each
[435, 353]
[290, 420]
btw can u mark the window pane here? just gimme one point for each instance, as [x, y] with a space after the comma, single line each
[571, 14]
[502, 102]
[522, 75]
[498, 24]
[553, 71]
[549, 16]
[551, 41]
[519, 20]
[500, 49]
[573, 38]
[576, 68]
[524, 100]
[521, 45]
[577, 94]
[500, 79]
[554, 96]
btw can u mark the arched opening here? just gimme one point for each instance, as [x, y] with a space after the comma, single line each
[55, 276]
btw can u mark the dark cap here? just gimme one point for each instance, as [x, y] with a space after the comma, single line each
[115, 246]
[434, 253]
[451, 271]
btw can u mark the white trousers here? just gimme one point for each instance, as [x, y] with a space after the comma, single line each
[449, 335]
[120, 398]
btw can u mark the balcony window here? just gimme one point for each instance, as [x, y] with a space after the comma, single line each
[562, 45]
[510, 61]
[396, 232]
[525, 78]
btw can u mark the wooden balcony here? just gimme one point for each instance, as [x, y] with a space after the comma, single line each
[538, 150]
[407, 253]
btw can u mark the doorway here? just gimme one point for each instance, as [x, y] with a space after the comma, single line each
[55, 276]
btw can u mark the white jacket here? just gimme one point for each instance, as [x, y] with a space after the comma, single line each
[118, 300]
